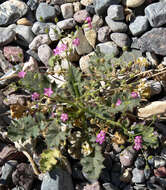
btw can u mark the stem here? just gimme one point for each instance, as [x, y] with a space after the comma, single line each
[35, 169]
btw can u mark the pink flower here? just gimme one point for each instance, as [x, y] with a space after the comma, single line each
[64, 117]
[100, 137]
[138, 142]
[59, 50]
[63, 47]
[56, 51]
[88, 19]
[35, 96]
[76, 42]
[118, 102]
[48, 92]
[21, 74]
[134, 95]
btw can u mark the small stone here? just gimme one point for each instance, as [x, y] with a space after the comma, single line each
[138, 176]
[160, 172]
[86, 2]
[67, 10]
[54, 33]
[31, 65]
[116, 26]
[133, 3]
[66, 24]
[33, 54]
[108, 48]
[77, 6]
[140, 163]
[42, 28]
[57, 179]
[45, 53]
[45, 12]
[95, 186]
[101, 6]
[153, 41]
[121, 39]
[11, 11]
[24, 21]
[147, 173]
[84, 46]
[103, 34]
[7, 36]
[4, 64]
[139, 25]
[90, 9]
[38, 41]
[156, 13]
[13, 54]
[155, 87]
[109, 186]
[116, 12]
[127, 156]
[91, 37]
[80, 16]
[151, 57]
[32, 4]
[97, 22]
[126, 176]
[159, 162]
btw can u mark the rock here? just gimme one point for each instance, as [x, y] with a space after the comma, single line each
[80, 16]
[109, 186]
[108, 48]
[134, 43]
[23, 176]
[39, 40]
[139, 25]
[116, 12]
[90, 9]
[11, 11]
[14, 99]
[7, 171]
[138, 176]
[24, 21]
[45, 13]
[40, 28]
[121, 39]
[32, 4]
[31, 65]
[156, 14]
[160, 172]
[147, 172]
[116, 26]
[84, 46]
[101, 6]
[67, 10]
[4, 64]
[45, 53]
[57, 179]
[127, 156]
[155, 108]
[153, 41]
[97, 22]
[7, 36]
[95, 186]
[34, 54]
[54, 33]
[76, 6]
[91, 37]
[66, 24]
[133, 3]
[86, 2]
[155, 87]
[59, 2]
[24, 35]
[159, 162]
[13, 53]
[140, 163]
[126, 176]
[103, 34]
[151, 57]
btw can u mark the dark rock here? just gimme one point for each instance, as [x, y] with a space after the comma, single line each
[7, 36]
[116, 12]
[147, 172]
[151, 160]
[156, 14]
[109, 186]
[153, 41]
[57, 180]
[33, 54]
[160, 172]
[103, 34]
[121, 39]
[32, 4]
[23, 176]
[90, 9]
[105, 176]
[140, 163]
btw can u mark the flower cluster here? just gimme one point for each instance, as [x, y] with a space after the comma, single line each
[134, 95]
[76, 42]
[60, 49]
[64, 117]
[21, 74]
[35, 96]
[118, 102]
[48, 92]
[100, 137]
[138, 142]
[89, 21]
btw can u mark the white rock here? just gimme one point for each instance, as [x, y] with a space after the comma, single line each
[45, 53]
[133, 3]
[67, 10]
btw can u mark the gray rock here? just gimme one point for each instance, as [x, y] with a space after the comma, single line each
[116, 12]
[59, 2]
[66, 24]
[108, 48]
[139, 25]
[127, 156]
[101, 6]
[134, 43]
[7, 171]
[116, 26]
[7, 36]
[45, 12]
[54, 33]
[159, 162]
[45, 53]
[103, 34]
[4, 64]
[109, 186]
[153, 41]
[33, 54]
[24, 34]
[81, 15]
[32, 4]
[11, 11]
[151, 57]
[121, 39]
[156, 14]
[138, 176]
[40, 28]
[155, 87]
[97, 22]
[57, 180]
[67, 10]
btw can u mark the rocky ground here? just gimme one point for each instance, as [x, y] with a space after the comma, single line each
[30, 30]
